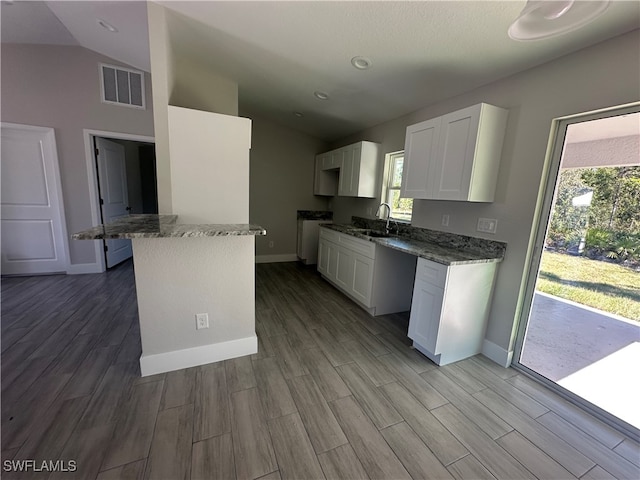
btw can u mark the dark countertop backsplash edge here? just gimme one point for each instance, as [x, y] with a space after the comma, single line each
[444, 239]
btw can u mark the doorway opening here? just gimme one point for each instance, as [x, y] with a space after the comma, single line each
[581, 330]
[122, 181]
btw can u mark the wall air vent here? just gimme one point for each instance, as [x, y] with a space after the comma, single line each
[122, 86]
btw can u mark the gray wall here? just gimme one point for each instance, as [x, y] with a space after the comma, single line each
[281, 182]
[58, 86]
[596, 77]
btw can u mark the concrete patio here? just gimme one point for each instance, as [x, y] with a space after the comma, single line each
[591, 353]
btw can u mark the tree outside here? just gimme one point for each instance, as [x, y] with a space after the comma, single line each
[604, 231]
[610, 226]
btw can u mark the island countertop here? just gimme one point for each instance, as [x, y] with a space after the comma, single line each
[163, 226]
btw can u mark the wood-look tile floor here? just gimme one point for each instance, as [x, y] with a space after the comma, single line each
[331, 393]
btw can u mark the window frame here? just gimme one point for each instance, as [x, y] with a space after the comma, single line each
[387, 185]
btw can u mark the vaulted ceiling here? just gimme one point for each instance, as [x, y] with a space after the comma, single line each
[280, 53]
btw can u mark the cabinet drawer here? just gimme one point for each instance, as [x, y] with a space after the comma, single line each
[329, 235]
[357, 245]
[431, 272]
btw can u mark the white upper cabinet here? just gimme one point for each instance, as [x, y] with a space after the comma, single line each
[456, 156]
[421, 144]
[350, 171]
[325, 181]
[336, 158]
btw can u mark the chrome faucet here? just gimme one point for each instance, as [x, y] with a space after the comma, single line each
[386, 229]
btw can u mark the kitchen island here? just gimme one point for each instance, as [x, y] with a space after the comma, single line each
[178, 276]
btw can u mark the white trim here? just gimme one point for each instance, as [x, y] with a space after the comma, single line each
[497, 354]
[92, 179]
[50, 132]
[192, 357]
[287, 257]
[82, 268]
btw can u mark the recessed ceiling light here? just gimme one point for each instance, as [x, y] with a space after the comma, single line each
[298, 114]
[107, 26]
[361, 63]
[321, 95]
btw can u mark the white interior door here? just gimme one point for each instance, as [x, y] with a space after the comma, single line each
[33, 225]
[114, 199]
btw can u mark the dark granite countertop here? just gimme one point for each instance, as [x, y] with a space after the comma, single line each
[315, 215]
[163, 226]
[450, 249]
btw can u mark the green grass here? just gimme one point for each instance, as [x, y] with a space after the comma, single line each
[602, 285]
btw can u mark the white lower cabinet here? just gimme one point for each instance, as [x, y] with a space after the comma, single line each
[362, 278]
[378, 278]
[344, 268]
[323, 257]
[450, 308]
[425, 314]
[308, 235]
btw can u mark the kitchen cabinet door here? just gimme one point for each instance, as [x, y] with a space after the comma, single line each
[362, 278]
[426, 309]
[323, 257]
[350, 172]
[332, 267]
[344, 268]
[450, 175]
[325, 161]
[336, 158]
[308, 240]
[420, 150]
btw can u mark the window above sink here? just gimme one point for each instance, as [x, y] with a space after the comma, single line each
[401, 208]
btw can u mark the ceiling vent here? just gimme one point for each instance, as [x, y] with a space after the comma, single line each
[121, 86]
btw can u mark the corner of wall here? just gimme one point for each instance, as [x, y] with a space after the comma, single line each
[497, 354]
[162, 82]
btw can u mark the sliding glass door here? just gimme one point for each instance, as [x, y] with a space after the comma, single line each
[580, 327]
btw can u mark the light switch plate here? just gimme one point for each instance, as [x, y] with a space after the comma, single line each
[487, 225]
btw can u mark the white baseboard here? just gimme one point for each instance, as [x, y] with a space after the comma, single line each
[287, 257]
[498, 354]
[192, 357]
[82, 268]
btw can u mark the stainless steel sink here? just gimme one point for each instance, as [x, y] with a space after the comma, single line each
[372, 233]
[377, 234]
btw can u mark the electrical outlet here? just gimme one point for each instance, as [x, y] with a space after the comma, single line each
[445, 220]
[487, 225]
[202, 321]
[271, 244]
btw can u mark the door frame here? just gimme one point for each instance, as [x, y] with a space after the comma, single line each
[542, 214]
[57, 181]
[92, 178]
